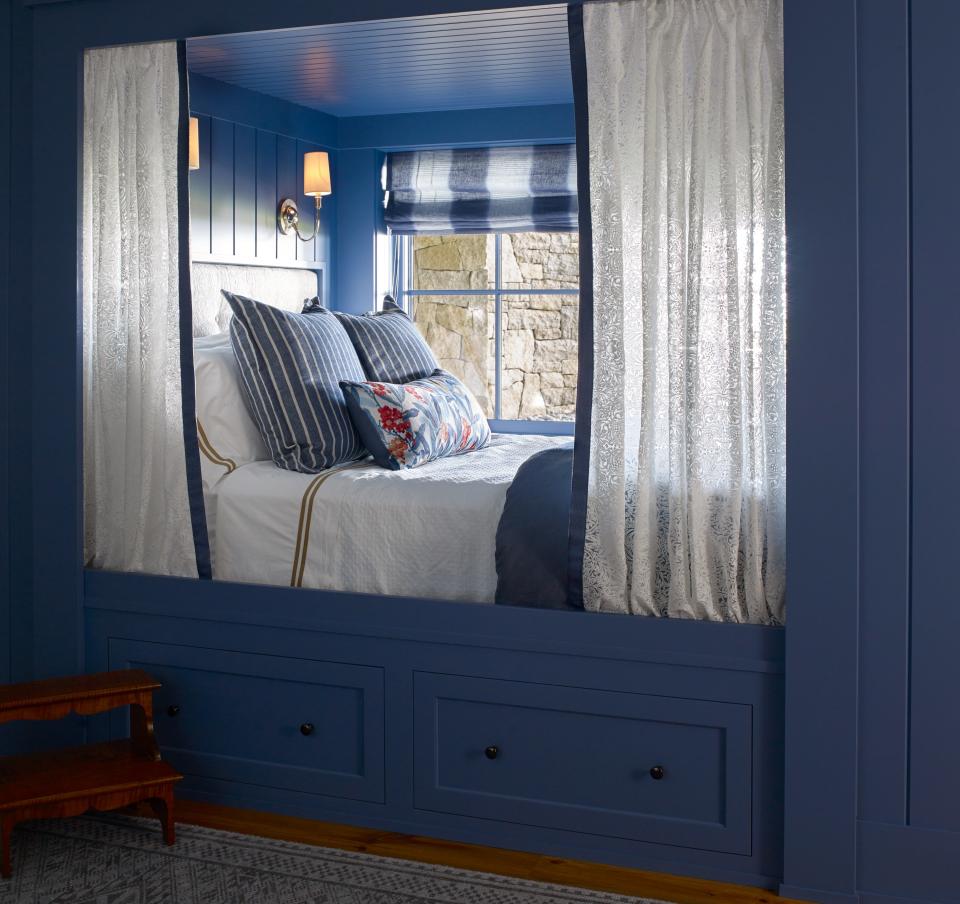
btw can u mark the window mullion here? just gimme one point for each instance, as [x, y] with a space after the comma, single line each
[400, 270]
[408, 271]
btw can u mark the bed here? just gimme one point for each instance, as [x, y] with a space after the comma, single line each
[427, 532]
[486, 526]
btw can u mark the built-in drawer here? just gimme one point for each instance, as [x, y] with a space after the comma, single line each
[265, 720]
[660, 769]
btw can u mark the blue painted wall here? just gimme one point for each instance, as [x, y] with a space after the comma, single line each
[16, 167]
[872, 732]
[251, 153]
[910, 827]
[357, 185]
[6, 123]
[251, 156]
[872, 793]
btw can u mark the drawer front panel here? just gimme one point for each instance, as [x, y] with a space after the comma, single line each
[242, 717]
[578, 759]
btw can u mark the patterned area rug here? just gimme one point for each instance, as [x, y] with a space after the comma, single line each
[122, 860]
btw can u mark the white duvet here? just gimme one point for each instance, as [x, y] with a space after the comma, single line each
[425, 532]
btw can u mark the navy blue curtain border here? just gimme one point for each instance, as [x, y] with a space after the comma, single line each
[198, 517]
[581, 448]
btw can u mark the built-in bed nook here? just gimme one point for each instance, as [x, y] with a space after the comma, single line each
[687, 271]
[439, 494]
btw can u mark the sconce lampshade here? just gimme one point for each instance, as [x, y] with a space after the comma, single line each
[194, 143]
[316, 173]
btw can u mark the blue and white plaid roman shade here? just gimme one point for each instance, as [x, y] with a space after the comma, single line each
[482, 190]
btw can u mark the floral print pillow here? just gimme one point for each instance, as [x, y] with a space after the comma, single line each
[404, 425]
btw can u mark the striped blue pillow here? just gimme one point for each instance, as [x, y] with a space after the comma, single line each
[388, 344]
[292, 365]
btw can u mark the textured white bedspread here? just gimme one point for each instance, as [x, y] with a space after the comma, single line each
[425, 532]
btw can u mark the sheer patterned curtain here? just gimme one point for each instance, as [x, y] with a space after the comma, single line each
[686, 483]
[137, 515]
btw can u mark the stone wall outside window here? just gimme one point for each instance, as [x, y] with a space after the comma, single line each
[539, 332]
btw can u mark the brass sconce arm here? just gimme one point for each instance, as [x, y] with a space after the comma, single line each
[288, 218]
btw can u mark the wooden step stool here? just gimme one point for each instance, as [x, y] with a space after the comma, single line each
[95, 776]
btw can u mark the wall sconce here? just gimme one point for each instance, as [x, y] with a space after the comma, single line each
[194, 143]
[316, 183]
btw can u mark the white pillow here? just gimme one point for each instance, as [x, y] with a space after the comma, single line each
[227, 433]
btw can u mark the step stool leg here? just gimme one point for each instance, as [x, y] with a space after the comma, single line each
[163, 808]
[6, 828]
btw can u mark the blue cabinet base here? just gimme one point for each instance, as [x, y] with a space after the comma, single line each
[910, 862]
[380, 713]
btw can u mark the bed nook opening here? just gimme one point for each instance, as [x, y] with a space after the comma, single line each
[529, 351]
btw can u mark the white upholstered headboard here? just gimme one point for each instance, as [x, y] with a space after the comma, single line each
[282, 287]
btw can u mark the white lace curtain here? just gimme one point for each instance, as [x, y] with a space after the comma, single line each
[685, 506]
[137, 514]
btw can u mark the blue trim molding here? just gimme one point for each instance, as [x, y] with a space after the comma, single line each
[822, 447]
[198, 517]
[885, 378]
[934, 667]
[581, 451]
[6, 219]
[551, 124]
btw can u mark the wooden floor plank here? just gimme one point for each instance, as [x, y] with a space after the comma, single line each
[577, 873]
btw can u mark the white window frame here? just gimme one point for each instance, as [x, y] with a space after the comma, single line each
[405, 292]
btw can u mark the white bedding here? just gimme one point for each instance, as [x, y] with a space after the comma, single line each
[425, 532]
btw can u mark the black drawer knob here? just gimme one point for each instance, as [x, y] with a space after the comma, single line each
[657, 773]
[306, 729]
[173, 710]
[491, 752]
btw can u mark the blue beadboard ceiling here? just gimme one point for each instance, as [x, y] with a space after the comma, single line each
[461, 61]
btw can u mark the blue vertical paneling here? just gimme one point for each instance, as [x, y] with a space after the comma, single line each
[935, 614]
[822, 447]
[244, 191]
[287, 187]
[6, 24]
[266, 195]
[306, 251]
[884, 406]
[261, 111]
[200, 193]
[18, 319]
[245, 170]
[221, 186]
[53, 371]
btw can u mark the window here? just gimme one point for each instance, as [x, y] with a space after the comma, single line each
[500, 312]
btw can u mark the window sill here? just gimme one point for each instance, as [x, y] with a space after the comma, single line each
[544, 428]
